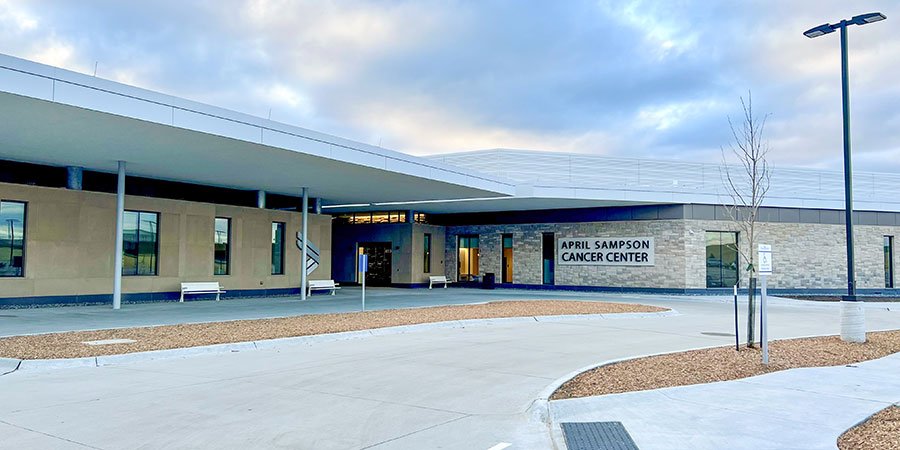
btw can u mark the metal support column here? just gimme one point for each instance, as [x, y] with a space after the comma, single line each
[120, 219]
[305, 216]
[261, 199]
[74, 177]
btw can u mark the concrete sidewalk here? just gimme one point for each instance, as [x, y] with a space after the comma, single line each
[794, 409]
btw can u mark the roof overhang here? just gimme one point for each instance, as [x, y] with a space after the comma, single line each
[57, 117]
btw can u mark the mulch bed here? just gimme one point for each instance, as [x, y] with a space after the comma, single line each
[724, 363]
[879, 432]
[71, 344]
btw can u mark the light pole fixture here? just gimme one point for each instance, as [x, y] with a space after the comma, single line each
[853, 325]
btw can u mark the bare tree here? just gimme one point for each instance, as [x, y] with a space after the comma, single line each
[747, 183]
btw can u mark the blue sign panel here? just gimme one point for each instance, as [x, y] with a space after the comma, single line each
[363, 263]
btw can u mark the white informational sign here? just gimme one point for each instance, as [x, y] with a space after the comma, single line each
[764, 256]
[606, 251]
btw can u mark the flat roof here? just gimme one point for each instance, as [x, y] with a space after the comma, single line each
[58, 117]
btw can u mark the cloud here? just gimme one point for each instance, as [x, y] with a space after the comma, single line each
[629, 78]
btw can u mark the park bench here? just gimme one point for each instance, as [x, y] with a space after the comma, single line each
[438, 279]
[202, 287]
[322, 285]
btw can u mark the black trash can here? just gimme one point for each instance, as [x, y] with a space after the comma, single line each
[488, 281]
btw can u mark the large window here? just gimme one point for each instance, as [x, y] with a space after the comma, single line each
[12, 239]
[378, 217]
[222, 253]
[721, 259]
[426, 254]
[548, 255]
[507, 258]
[277, 248]
[468, 258]
[141, 238]
[888, 261]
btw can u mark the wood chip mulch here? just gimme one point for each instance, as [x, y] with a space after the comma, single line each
[879, 432]
[71, 344]
[724, 363]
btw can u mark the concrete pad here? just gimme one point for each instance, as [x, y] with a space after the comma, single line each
[802, 408]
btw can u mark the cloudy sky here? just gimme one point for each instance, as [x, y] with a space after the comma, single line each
[650, 79]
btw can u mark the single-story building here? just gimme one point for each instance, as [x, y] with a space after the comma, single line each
[112, 192]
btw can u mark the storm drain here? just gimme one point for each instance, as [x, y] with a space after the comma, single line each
[597, 436]
[716, 333]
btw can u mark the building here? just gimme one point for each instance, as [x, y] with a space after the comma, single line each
[214, 195]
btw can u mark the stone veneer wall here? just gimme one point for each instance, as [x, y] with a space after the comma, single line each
[806, 255]
[667, 273]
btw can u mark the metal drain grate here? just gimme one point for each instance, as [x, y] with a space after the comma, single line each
[716, 333]
[597, 436]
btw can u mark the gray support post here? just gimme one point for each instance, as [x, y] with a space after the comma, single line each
[120, 219]
[261, 199]
[74, 177]
[305, 216]
[317, 205]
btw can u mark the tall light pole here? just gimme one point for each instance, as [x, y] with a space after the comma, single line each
[853, 319]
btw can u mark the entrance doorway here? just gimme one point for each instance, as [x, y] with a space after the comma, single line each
[379, 262]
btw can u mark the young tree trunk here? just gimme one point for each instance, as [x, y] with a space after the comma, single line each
[751, 313]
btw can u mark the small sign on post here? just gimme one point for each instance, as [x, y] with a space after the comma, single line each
[764, 257]
[363, 268]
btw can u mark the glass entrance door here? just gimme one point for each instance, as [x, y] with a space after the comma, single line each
[379, 270]
[468, 258]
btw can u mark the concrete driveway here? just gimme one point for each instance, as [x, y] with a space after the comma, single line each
[445, 388]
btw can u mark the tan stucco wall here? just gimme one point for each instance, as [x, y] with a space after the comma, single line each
[70, 240]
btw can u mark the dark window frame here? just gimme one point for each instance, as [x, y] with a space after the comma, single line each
[889, 262]
[721, 276]
[155, 253]
[548, 272]
[272, 249]
[426, 253]
[24, 204]
[227, 246]
[506, 275]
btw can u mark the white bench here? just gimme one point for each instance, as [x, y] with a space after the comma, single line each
[322, 285]
[203, 287]
[438, 279]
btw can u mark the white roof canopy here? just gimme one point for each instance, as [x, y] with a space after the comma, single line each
[58, 117]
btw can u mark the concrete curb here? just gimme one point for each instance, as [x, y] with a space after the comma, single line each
[9, 365]
[539, 409]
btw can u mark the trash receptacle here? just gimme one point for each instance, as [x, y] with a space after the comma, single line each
[488, 281]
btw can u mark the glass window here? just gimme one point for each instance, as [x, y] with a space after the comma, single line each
[277, 248]
[548, 250]
[888, 261]
[507, 258]
[468, 258]
[222, 253]
[140, 234]
[721, 259]
[427, 254]
[12, 239]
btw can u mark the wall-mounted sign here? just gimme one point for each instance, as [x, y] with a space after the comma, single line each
[605, 251]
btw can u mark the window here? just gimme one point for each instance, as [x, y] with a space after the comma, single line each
[12, 239]
[427, 254]
[721, 259]
[507, 259]
[548, 251]
[277, 248]
[888, 261]
[222, 253]
[468, 258]
[140, 234]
